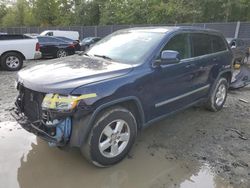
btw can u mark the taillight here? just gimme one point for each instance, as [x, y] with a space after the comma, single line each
[37, 46]
[71, 46]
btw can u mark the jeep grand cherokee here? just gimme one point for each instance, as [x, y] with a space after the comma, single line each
[99, 100]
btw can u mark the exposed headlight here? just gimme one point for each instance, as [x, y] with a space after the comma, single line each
[63, 103]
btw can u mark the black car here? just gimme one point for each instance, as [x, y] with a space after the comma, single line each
[88, 42]
[98, 101]
[239, 49]
[54, 47]
[76, 43]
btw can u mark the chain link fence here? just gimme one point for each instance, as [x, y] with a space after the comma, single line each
[230, 30]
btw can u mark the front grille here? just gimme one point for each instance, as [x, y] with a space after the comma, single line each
[31, 103]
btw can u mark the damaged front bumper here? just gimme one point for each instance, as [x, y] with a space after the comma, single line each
[56, 132]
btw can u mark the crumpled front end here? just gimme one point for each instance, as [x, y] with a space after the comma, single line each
[52, 127]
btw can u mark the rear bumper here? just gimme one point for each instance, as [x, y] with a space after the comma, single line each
[38, 55]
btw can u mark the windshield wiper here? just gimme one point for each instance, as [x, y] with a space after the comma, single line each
[103, 56]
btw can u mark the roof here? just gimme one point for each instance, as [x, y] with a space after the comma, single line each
[167, 29]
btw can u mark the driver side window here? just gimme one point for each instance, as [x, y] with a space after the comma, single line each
[179, 43]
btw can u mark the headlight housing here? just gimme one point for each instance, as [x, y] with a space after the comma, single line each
[63, 103]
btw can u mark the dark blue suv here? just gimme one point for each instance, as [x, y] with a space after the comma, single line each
[99, 100]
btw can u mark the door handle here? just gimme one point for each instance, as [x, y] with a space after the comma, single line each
[215, 59]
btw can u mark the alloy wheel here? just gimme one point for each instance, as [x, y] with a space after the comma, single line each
[12, 62]
[220, 95]
[114, 138]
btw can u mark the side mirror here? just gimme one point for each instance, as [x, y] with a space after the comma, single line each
[168, 57]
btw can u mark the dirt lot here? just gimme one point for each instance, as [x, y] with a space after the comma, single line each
[194, 148]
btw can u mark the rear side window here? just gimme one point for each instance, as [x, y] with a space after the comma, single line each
[218, 44]
[55, 40]
[43, 39]
[201, 44]
[179, 43]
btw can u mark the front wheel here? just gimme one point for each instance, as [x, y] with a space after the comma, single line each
[218, 95]
[111, 137]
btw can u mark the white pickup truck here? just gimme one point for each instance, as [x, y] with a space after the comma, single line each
[16, 48]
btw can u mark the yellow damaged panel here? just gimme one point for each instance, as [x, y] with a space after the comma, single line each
[56, 98]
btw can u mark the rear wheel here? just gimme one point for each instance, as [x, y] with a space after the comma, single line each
[61, 53]
[12, 61]
[111, 137]
[218, 95]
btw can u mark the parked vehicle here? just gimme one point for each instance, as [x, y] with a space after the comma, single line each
[74, 42]
[88, 42]
[54, 47]
[74, 35]
[14, 49]
[239, 49]
[32, 35]
[13, 37]
[98, 101]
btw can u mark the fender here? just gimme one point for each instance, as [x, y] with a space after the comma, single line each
[82, 127]
[218, 77]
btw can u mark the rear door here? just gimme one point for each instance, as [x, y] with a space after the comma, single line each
[202, 51]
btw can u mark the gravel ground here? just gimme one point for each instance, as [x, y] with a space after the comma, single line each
[175, 152]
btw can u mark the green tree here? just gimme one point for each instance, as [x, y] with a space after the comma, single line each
[46, 12]
[3, 11]
[18, 15]
[106, 12]
[65, 12]
[88, 12]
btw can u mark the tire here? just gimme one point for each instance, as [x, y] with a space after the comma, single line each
[12, 61]
[106, 145]
[61, 53]
[218, 95]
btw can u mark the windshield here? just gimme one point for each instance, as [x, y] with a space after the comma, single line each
[129, 47]
[44, 33]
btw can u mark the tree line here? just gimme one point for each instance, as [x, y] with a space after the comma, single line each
[109, 12]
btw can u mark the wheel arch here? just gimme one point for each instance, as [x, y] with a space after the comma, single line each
[82, 127]
[133, 104]
[13, 51]
[227, 75]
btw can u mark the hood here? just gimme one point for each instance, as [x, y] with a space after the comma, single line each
[63, 75]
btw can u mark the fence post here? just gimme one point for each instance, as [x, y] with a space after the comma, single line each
[95, 31]
[82, 34]
[112, 28]
[237, 29]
